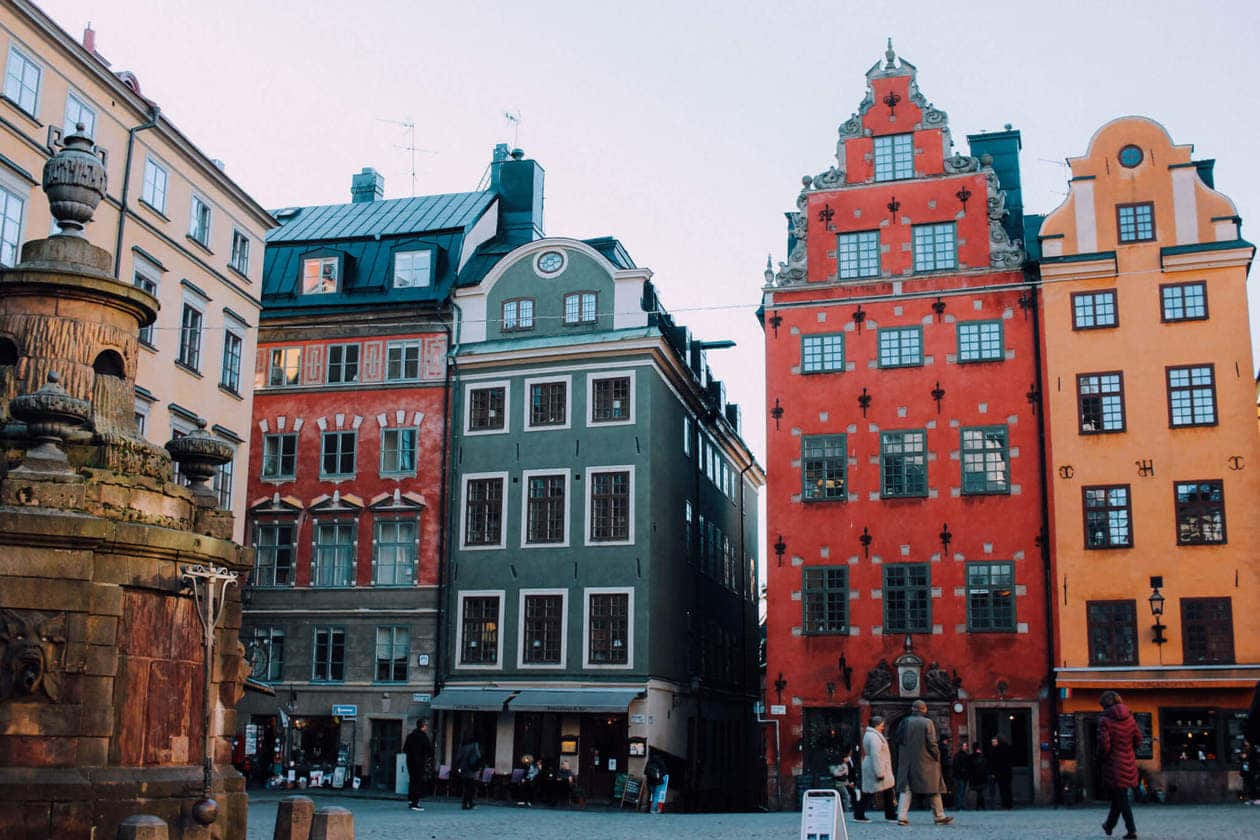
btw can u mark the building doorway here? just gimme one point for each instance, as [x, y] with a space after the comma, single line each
[384, 746]
[605, 753]
[537, 734]
[1012, 726]
[828, 733]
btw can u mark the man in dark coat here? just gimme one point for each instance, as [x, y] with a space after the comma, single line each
[962, 775]
[467, 767]
[919, 764]
[1002, 766]
[1118, 741]
[979, 773]
[419, 750]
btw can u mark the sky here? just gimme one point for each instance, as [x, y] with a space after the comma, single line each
[681, 128]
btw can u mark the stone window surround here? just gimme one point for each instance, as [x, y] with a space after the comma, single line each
[465, 479]
[586, 507]
[461, 596]
[526, 475]
[564, 631]
[591, 379]
[503, 384]
[587, 592]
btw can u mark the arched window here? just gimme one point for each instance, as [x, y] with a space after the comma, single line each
[109, 363]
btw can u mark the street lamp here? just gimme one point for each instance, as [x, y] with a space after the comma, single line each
[1157, 608]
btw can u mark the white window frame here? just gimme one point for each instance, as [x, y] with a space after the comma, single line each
[234, 261]
[228, 467]
[231, 328]
[189, 302]
[199, 202]
[586, 507]
[10, 191]
[463, 511]
[465, 594]
[403, 344]
[520, 632]
[506, 385]
[27, 58]
[285, 350]
[591, 379]
[336, 278]
[568, 506]
[586, 626]
[149, 196]
[143, 410]
[568, 403]
[687, 424]
[152, 274]
[417, 281]
[415, 452]
[81, 104]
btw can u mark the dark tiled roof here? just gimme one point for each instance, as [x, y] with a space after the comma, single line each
[390, 217]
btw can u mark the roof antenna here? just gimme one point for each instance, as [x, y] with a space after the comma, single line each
[513, 119]
[409, 127]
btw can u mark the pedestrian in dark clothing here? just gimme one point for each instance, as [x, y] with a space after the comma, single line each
[468, 765]
[853, 785]
[962, 775]
[919, 764]
[1001, 765]
[979, 774]
[1118, 741]
[419, 750]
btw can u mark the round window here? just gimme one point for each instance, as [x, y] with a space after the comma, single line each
[1130, 156]
[549, 262]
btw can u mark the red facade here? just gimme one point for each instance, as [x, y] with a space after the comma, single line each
[908, 566]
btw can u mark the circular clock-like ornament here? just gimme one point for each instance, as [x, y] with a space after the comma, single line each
[550, 262]
[909, 681]
[1130, 156]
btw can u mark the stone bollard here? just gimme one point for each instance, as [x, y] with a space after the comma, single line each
[333, 823]
[293, 818]
[142, 827]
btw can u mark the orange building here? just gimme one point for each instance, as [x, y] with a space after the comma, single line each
[1154, 459]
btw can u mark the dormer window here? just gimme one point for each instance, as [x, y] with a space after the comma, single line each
[319, 275]
[579, 308]
[894, 157]
[412, 269]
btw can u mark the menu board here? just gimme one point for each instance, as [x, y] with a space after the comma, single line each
[1236, 721]
[1146, 749]
[1066, 732]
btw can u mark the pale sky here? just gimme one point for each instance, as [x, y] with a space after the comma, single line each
[680, 128]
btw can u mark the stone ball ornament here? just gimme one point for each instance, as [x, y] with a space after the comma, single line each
[74, 178]
[206, 811]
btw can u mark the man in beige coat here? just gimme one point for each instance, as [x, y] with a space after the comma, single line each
[919, 764]
[877, 772]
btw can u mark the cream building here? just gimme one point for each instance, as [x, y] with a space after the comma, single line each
[175, 222]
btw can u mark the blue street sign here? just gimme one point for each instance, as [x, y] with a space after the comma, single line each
[345, 711]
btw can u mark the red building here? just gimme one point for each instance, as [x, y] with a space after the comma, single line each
[904, 498]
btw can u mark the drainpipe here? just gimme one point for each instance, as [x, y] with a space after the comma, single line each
[743, 624]
[452, 344]
[154, 113]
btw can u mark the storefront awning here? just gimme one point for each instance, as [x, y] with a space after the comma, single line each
[1242, 676]
[471, 699]
[614, 700]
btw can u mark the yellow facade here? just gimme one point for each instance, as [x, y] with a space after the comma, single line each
[1150, 393]
[50, 78]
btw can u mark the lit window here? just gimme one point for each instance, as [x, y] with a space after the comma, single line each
[900, 347]
[12, 207]
[935, 247]
[1107, 517]
[1136, 221]
[894, 157]
[190, 338]
[21, 81]
[79, 112]
[319, 276]
[1183, 302]
[412, 269]
[579, 308]
[1091, 310]
[822, 353]
[199, 224]
[980, 341]
[824, 465]
[1191, 396]
[857, 255]
[153, 192]
[480, 631]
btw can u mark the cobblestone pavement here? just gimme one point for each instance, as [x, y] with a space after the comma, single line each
[443, 820]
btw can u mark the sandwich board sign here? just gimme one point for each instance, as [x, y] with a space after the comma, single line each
[822, 818]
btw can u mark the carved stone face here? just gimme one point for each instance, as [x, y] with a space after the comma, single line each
[30, 655]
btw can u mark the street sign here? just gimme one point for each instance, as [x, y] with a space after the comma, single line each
[822, 818]
[777, 709]
[345, 711]
[421, 698]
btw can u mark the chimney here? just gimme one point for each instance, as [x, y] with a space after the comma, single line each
[89, 44]
[368, 185]
[519, 185]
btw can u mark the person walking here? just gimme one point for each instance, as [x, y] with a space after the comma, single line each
[962, 775]
[419, 751]
[1118, 741]
[1002, 765]
[468, 765]
[919, 765]
[877, 771]
[979, 774]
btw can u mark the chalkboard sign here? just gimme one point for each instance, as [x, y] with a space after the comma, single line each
[1067, 736]
[1236, 723]
[1146, 749]
[630, 793]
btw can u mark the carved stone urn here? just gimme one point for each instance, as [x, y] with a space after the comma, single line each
[50, 414]
[199, 455]
[74, 179]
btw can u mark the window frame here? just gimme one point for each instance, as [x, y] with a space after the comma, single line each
[885, 336]
[340, 454]
[933, 249]
[517, 319]
[884, 492]
[266, 636]
[527, 419]
[465, 480]
[321, 261]
[1191, 389]
[989, 488]
[823, 352]
[1111, 623]
[412, 561]
[195, 231]
[28, 60]
[342, 365]
[859, 241]
[143, 276]
[399, 431]
[221, 483]
[819, 595]
[238, 259]
[341, 576]
[1199, 508]
[191, 338]
[522, 633]
[403, 346]
[82, 104]
[996, 622]
[285, 355]
[1205, 624]
[392, 662]
[980, 326]
[415, 281]
[826, 462]
[909, 589]
[230, 371]
[1102, 397]
[149, 190]
[279, 475]
[1181, 288]
[893, 154]
[263, 549]
[588, 504]
[581, 320]
[1107, 507]
[1135, 206]
[1093, 313]
[333, 630]
[592, 380]
[497, 385]
[587, 593]
[483, 665]
[14, 245]
[566, 477]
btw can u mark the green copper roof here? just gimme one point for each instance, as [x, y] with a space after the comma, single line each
[389, 217]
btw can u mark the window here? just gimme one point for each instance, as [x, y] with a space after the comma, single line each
[330, 655]
[279, 456]
[412, 269]
[990, 597]
[285, 367]
[1191, 396]
[545, 509]
[144, 283]
[980, 341]
[610, 506]
[1107, 517]
[900, 347]
[518, 314]
[343, 364]
[548, 403]
[402, 361]
[1136, 222]
[1091, 310]
[332, 562]
[935, 247]
[611, 399]
[1200, 512]
[78, 111]
[319, 275]
[1207, 631]
[903, 464]
[1183, 302]
[222, 485]
[1191, 739]
[486, 408]
[824, 468]
[1112, 629]
[483, 511]
[394, 552]
[857, 255]
[479, 640]
[190, 338]
[608, 628]
[686, 435]
[21, 81]
[822, 353]
[12, 207]
[230, 377]
[398, 451]
[153, 193]
[393, 649]
[894, 157]
[907, 598]
[543, 639]
[579, 308]
[240, 252]
[337, 455]
[268, 653]
[1100, 400]
[273, 545]
[825, 600]
[199, 224]
[986, 460]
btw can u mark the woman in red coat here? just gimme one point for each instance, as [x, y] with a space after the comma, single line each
[1118, 740]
